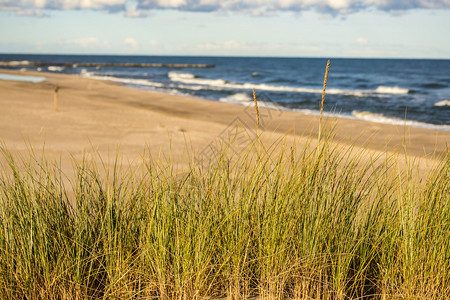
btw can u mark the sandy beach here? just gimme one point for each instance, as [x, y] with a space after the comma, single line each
[234, 218]
[107, 118]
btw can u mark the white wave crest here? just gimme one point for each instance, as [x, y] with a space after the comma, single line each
[191, 87]
[391, 90]
[239, 98]
[380, 118]
[55, 69]
[443, 103]
[220, 84]
[175, 75]
[142, 82]
[130, 81]
[18, 63]
[247, 100]
[374, 117]
[192, 79]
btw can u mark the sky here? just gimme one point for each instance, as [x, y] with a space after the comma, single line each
[281, 28]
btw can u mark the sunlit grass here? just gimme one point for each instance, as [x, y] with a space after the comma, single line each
[313, 222]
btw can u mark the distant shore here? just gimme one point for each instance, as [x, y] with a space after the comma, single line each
[101, 65]
[107, 117]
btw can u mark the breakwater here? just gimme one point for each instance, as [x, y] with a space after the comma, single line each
[102, 65]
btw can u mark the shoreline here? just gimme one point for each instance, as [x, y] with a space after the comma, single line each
[106, 115]
[357, 115]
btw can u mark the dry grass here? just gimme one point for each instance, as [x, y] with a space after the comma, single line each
[310, 223]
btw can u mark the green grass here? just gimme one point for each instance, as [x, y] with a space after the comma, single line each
[311, 223]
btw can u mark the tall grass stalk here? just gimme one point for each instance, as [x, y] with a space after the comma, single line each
[325, 79]
[256, 110]
[344, 223]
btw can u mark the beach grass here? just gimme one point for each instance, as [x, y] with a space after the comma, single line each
[276, 221]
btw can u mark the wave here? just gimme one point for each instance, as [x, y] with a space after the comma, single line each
[142, 82]
[380, 118]
[14, 63]
[391, 90]
[193, 79]
[137, 83]
[176, 75]
[193, 82]
[239, 98]
[442, 103]
[55, 69]
[247, 100]
[220, 84]
[193, 87]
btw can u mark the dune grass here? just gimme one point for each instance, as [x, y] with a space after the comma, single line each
[313, 222]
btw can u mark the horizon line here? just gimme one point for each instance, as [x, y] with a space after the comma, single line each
[228, 56]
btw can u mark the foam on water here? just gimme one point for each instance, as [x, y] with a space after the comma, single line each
[192, 87]
[442, 103]
[130, 81]
[55, 69]
[239, 98]
[17, 63]
[380, 118]
[391, 90]
[175, 75]
[137, 83]
[192, 79]
[188, 81]
[247, 100]
[220, 84]
[286, 84]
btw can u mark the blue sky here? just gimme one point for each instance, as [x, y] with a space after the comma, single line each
[299, 28]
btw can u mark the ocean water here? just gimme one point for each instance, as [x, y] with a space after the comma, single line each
[415, 92]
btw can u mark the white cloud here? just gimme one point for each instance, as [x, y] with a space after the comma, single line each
[227, 45]
[408, 4]
[264, 7]
[232, 47]
[138, 8]
[21, 6]
[87, 43]
[131, 43]
[362, 41]
[132, 12]
[109, 5]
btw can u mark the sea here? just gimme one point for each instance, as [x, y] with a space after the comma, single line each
[413, 92]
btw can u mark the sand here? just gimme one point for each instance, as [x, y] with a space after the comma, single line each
[104, 118]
